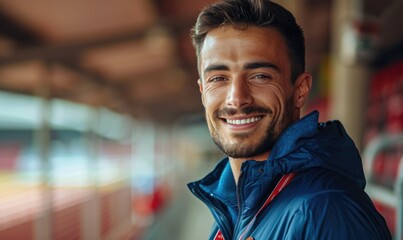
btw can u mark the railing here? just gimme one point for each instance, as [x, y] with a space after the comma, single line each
[383, 162]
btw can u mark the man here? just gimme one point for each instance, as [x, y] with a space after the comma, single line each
[284, 177]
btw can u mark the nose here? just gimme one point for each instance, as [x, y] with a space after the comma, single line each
[239, 94]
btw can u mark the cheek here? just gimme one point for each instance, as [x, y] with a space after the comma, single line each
[273, 97]
[209, 106]
[213, 98]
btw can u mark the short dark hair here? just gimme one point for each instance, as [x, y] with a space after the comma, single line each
[260, 13]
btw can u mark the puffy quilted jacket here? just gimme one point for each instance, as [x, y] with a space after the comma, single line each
[325, 200]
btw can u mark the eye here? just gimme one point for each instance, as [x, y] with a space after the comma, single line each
[261, 76]
[217, 79]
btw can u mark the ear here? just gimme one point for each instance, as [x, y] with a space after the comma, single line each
[201, 89]
[200, 85]
[302, 88]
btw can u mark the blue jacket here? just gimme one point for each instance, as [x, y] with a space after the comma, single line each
[325, 200]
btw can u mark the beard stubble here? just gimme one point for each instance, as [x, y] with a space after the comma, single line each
[267, 139]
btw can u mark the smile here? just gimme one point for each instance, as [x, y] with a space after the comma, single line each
[243, 121]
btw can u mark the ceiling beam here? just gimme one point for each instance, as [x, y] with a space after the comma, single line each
[17, 32]
[65, 51]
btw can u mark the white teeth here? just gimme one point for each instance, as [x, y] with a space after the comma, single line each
[243, 121]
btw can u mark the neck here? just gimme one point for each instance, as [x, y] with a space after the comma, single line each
[236, 168]
[236, 164]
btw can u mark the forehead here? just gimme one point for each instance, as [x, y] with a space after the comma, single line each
[235, 45]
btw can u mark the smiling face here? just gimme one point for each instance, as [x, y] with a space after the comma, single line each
[246, 89]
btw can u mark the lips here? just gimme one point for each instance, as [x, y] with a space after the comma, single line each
[243, 121]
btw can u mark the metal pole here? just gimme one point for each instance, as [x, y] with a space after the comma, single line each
[43, 225]
[349, 80]
[399, 208]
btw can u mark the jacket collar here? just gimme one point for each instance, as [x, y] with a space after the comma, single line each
[303, 145]
[293, 136]
[220, 185]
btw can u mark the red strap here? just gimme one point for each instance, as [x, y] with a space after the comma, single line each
[284, 181]
[218, 235]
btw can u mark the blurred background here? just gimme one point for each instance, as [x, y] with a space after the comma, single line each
[101, 123]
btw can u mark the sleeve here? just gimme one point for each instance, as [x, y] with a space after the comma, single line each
[337, 216]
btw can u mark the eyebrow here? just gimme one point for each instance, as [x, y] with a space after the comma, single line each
[256, 65]
[215, 67]
[247, 66]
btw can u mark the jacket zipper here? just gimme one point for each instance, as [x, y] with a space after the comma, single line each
[240, 204]
[220, 217]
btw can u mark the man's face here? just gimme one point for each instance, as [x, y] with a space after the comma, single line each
[246, 89]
